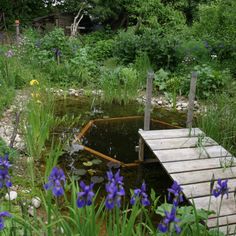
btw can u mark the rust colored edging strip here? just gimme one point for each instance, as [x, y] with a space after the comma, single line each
[83, 131]
[164, 123]
[119, 118]
[99, 154]
[107, 158]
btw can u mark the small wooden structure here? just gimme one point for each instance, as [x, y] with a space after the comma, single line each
[192, 159]
[62, 20]
[49, 22]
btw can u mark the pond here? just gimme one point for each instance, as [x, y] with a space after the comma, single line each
[115, 138]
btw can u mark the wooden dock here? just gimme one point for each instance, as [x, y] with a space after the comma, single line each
[192, 160]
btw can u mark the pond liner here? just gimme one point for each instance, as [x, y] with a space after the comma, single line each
[108, 158]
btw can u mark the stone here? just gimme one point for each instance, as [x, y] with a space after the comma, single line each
[25, 191]
[184, 104]
[13, 196]
[31, 210]
[36, 202]
[160, 102]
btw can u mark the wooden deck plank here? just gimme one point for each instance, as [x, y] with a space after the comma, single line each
[183, 154]
[228, 206]
[193, 165]
[169, 133]
[176, 143]
[203, 189]
[223, 220]
[228, 230]
[204, 175]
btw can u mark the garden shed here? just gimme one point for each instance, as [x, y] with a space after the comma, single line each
[62, 20]
[48, 22]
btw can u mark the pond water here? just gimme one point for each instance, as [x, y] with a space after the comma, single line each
[116, 138]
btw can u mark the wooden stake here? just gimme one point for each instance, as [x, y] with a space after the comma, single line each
[147, 115]
[191, 98]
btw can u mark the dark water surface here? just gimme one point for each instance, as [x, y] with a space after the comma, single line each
[116, 138]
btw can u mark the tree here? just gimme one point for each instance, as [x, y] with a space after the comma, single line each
[24, 10]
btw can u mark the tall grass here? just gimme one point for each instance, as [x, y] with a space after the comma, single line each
[120, 85]
[218, 120]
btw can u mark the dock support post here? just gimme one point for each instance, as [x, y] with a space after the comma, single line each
[191, 98]
[147, 114]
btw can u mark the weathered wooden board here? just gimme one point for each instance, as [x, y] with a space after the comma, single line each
[228, 206]
[183, 154]
[204, 175]
[203, 189]
[169, 133]
[222, 220]
[175, 143]
[198, 164]
[192, 164]
[228, 230]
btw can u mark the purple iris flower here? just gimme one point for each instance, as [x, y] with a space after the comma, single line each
[115, 190]
[3, 214]
[221, 188]
[170, 217]
[57, 52]
[4, 162]
[5, 179]
[55, 180]
[85, 196]
[140, 193]
[4, 174]
[175, 190]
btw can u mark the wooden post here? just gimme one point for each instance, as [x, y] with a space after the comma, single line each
[147, 115]
[191, 98]
[17, 24]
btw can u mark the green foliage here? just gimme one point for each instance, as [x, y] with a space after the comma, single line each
[142, 65]
[120, 84]
[218, 121]
[38, 122]
[126, 46]
[102, 50]
[216, 26]
[192, 52]
[4, 149]
[6, 98]
[210, 80]
[155, 14]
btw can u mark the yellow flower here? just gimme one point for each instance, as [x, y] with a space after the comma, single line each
[34, 82]
[35, 95]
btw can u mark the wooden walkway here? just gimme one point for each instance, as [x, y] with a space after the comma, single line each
[192, 160]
